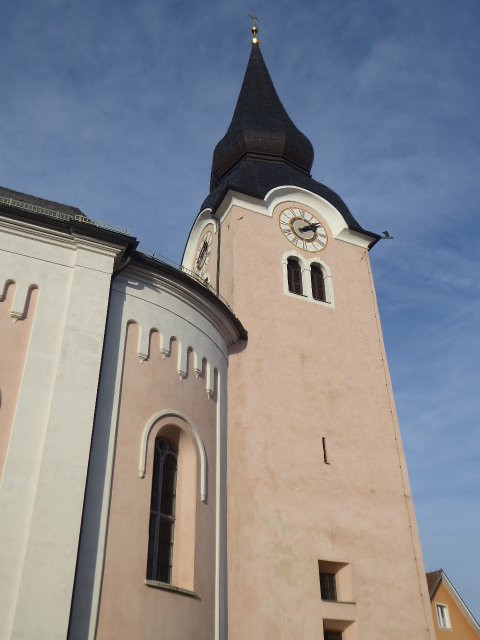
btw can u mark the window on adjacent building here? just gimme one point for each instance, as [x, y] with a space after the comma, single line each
[443, 616]
[318, 282]
[294, 272]
[162, 512]
[328, 587]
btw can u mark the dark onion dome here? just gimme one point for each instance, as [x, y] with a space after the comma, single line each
[260, 125]
[263, 149]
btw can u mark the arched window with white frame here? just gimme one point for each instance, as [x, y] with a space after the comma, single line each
[175, 491]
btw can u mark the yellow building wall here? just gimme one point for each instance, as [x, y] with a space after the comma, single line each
[460, 627]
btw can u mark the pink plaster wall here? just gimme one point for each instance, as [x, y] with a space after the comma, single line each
[14, 341]
[309, 372]
[129, 608]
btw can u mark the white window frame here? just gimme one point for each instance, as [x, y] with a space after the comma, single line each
[305, 266]
[443, 614]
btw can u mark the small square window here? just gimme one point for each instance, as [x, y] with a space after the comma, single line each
[328, 587]
[443, 616]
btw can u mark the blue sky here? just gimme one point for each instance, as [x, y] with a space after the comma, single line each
[115, 107]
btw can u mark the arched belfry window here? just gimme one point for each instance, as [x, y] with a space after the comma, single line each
[318, 282]
[294, 273]
[162, 512]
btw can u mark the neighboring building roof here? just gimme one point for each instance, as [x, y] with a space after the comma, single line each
[263, 149]
[435, 579]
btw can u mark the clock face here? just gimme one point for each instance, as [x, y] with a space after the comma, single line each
[203, 254]
[302, 229]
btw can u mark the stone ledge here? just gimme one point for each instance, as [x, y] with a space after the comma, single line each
[165, 586]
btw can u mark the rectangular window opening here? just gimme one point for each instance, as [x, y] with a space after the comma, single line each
[328, 587]
[443, 616]
[332, 635]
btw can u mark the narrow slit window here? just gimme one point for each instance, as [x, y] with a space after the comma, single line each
[162, 512]
[294, 272]
[318, 282]
[325, 453]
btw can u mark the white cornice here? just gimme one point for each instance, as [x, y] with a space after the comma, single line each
[56, 238]
[235, 199]
[337, 223]
[96, 246]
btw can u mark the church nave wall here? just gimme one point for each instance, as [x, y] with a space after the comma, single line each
[163, 385]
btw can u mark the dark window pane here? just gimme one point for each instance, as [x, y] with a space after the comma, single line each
[157, 463]
[327, 586]
[169, 484]
[151, 548]
[318, 283]
[164, 554]
[162, 512]
[332, 635]
[294, 273]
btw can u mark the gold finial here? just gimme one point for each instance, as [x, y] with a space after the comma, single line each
[254, 19]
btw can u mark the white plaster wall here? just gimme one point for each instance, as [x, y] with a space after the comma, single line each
[174, 310]
[42, 487]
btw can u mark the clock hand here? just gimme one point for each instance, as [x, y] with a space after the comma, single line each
[310, 227]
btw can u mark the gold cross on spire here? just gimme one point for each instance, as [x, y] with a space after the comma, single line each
[254, 20]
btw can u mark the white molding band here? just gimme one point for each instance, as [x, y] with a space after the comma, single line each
[189, 428]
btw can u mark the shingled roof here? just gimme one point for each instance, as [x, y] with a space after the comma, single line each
[260, 125]
[433, 580]
[25, 198]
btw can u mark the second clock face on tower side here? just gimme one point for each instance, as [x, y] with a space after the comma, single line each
[302, 229]
[203, 254]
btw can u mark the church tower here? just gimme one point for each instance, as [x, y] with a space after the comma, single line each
[321, 536]
[208, 452]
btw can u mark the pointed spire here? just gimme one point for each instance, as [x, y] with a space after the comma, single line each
[260, 125]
